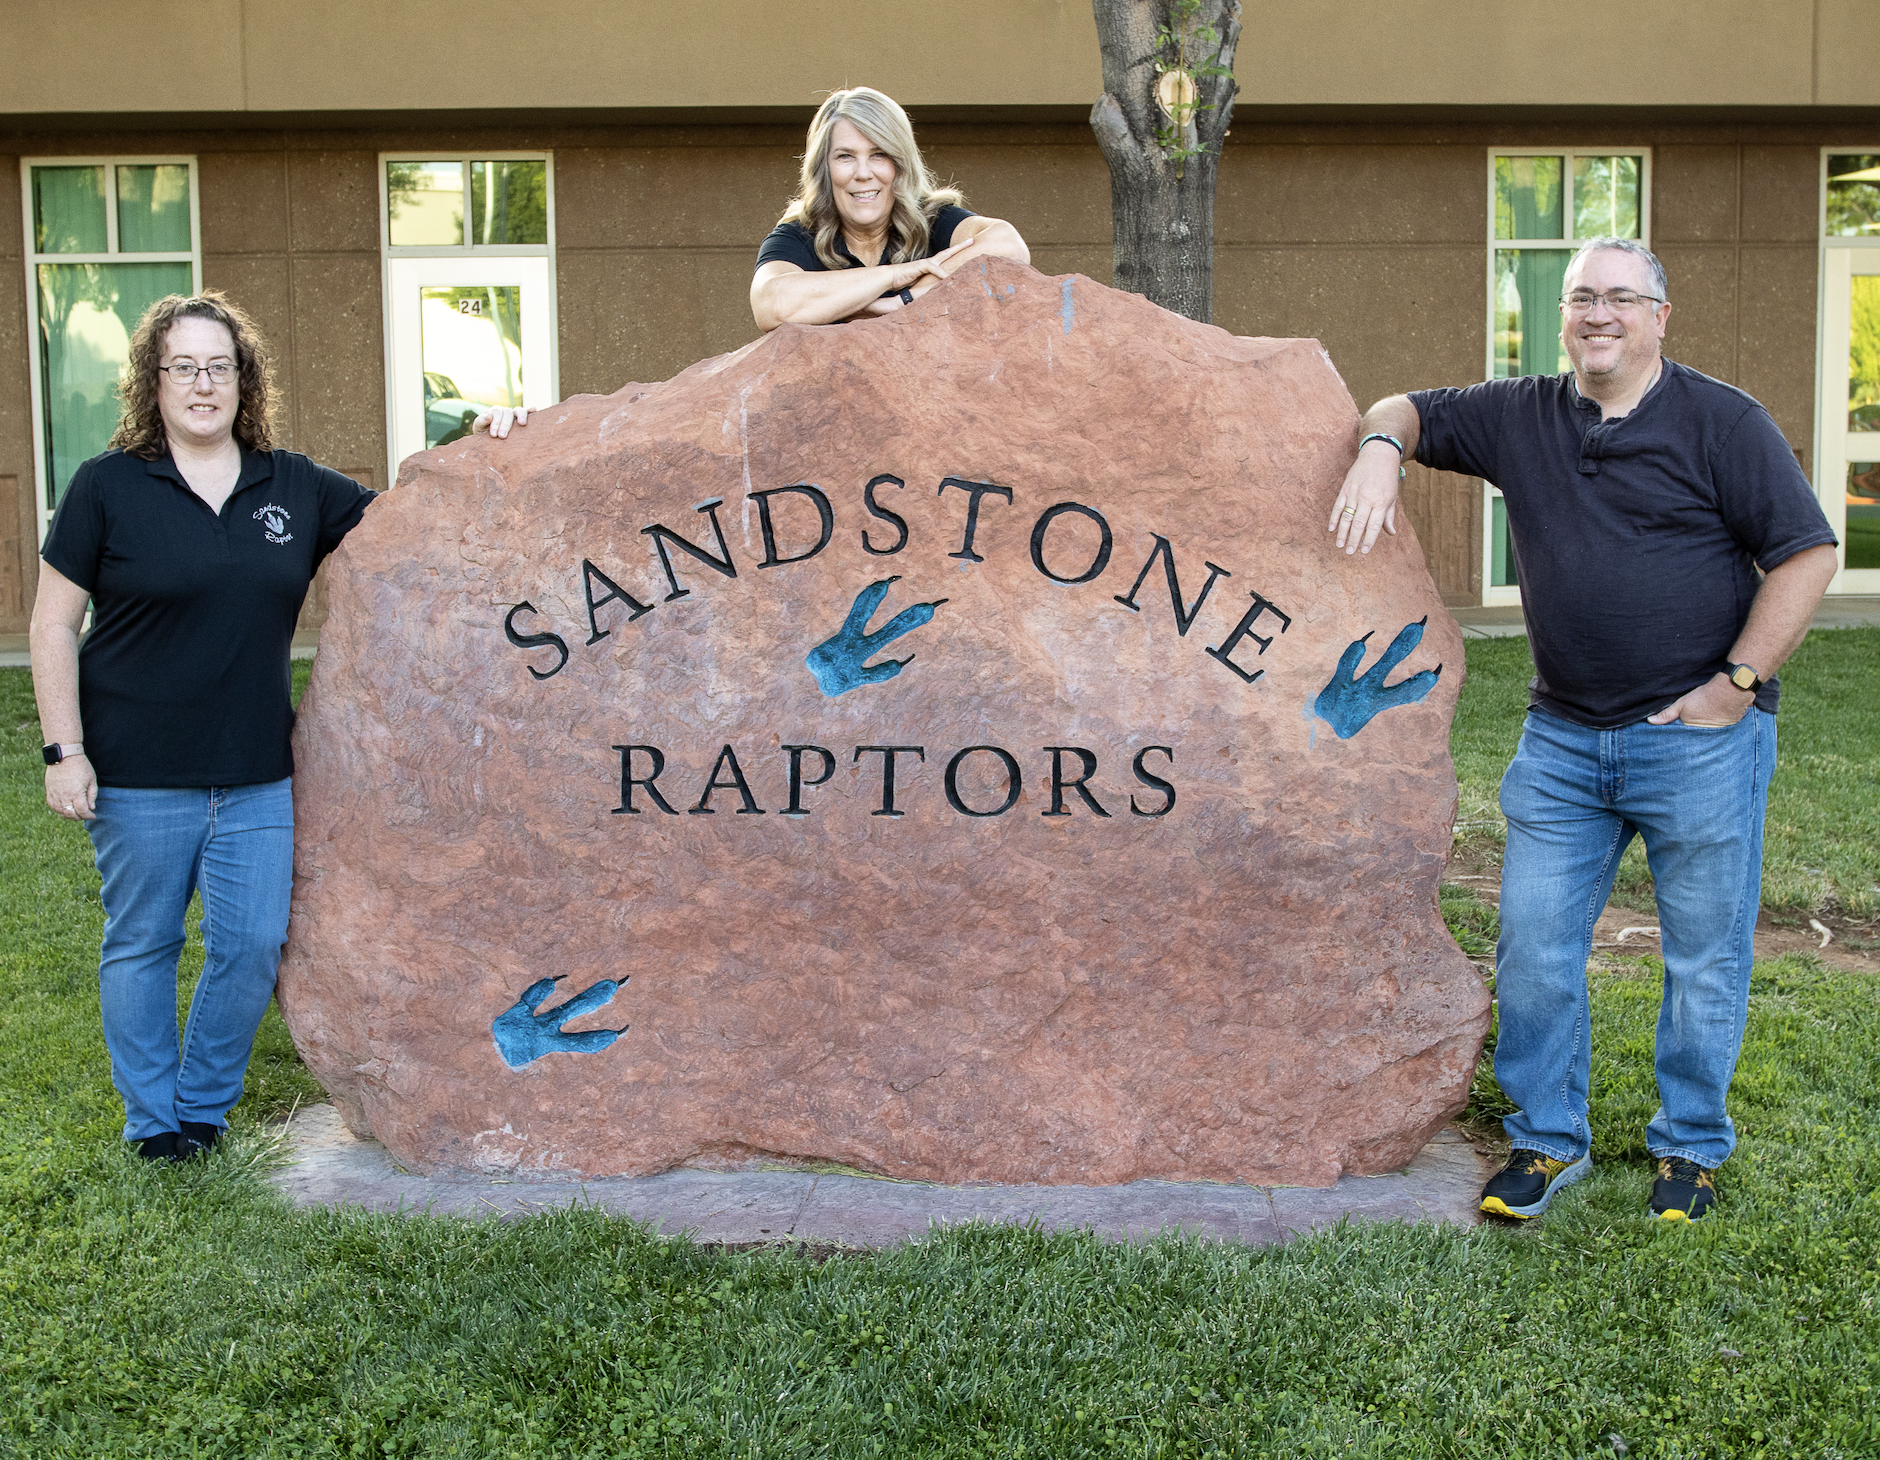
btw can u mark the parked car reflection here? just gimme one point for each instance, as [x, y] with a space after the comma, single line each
[447, 415]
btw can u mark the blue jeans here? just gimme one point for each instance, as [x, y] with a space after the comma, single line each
[1574, 799]
[155, 847]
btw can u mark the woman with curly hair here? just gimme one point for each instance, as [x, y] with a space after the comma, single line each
[194, 539]
[868, 232]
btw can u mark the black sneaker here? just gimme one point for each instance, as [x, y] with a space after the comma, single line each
[1523, 1187]
[160, 1147]
[197, 1138]
[1683, 1191]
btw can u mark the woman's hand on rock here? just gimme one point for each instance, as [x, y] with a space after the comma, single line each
[926, 272]
[916, 276]
[498, 419]
[72, 788]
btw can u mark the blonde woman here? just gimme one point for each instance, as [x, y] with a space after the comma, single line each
[868, 232]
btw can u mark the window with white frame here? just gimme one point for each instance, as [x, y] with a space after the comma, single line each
[106, 237]
[1848, 445]
[1542, 203]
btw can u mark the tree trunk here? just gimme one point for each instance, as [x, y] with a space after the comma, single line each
[1164, 223]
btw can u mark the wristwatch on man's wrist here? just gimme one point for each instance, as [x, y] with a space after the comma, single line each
[55, 752]
[1744, 677]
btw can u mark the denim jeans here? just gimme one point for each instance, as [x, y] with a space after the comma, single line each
[155, 847]
[1574, 799]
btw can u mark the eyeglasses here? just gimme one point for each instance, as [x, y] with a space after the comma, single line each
[1581, 301]
[184, 372]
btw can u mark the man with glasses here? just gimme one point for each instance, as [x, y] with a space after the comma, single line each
[1642, 499]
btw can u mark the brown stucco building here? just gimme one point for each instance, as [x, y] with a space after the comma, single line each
[1390, 185]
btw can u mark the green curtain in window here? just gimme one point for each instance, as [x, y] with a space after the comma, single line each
[153, 208]
[1528, 197]
[1527, 310]
[68, 210]
[87, 313]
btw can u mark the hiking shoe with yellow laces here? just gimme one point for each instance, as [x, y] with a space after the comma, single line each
[1523, 1187]
[1683, 1191]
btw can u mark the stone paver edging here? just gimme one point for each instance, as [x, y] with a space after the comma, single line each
[332, 1167]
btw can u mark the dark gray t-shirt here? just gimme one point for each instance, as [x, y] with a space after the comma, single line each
[1636, 540]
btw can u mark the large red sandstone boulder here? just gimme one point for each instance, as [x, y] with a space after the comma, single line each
[948, 745]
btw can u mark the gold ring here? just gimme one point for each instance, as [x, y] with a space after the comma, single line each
[1349, 512]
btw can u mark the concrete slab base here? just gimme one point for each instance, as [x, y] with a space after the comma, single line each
[332, 1167]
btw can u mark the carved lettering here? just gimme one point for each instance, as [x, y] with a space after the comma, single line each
[824, 512]
[797, 783]
[1184, 617]
[1244, 630]
[1014, 782]
[887, 754]
[663, 535]
[875, 509]
[534, 641]
[727, 760]
[1148, 778]
[1088, 760]
[976, 490]
[1043, 525]
[628, 780]
[589, 573]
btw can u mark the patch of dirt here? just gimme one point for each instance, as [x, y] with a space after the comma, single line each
[1852, 945]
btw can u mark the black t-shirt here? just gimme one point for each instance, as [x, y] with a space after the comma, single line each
[1636, 540]
[183, 679]
[792, 243]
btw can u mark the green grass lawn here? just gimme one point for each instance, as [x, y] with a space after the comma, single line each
[1822, 836]
[191, 1313]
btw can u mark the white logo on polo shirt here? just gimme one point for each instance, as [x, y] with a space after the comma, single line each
[274, 523]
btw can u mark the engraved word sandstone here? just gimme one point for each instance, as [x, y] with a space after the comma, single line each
[948, 745]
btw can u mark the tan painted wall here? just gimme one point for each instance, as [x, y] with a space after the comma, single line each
[125, 56]
[1370, 238]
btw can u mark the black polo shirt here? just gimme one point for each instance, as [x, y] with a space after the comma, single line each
[792, 243]
[1636, 540]
[183, 678]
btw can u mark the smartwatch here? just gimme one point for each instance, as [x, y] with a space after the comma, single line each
[55, 752]
[1743, 677]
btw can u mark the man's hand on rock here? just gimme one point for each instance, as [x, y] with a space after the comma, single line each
[1367, 503]
[1716, 704]
[498, 419]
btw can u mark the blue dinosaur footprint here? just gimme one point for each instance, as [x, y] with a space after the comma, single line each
[523, 1036]
[1350, 700]
[840, 661]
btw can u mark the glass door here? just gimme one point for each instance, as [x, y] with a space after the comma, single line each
[469, 293]
[466, 334]
[1849, 455]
